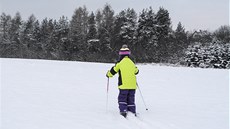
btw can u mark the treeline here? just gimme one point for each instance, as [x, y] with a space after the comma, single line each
[97, 36]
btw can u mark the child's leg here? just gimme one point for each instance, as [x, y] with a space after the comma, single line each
[131, 101]
[122, 100]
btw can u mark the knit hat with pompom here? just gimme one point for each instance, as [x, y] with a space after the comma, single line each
[124, 51]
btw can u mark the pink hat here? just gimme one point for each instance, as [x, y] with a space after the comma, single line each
[124, 50]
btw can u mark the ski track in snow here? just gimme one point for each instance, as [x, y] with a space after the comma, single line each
[39, 94]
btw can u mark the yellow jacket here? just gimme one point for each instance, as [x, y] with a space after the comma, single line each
[127, 71]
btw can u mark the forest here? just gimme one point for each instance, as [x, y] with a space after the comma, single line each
[97, 37]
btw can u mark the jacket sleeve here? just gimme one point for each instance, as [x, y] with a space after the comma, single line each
[113, 70]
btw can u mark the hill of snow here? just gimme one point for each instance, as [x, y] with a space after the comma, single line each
[38, 94]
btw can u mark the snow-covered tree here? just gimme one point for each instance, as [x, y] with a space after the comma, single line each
[181, 37]
[48, 43]
[210, 55]
[146, 35]
[92, 35]
[9, 35]
[163, 29]
[125, 28]
[15, 26]
[163, 23]
[92, 29]
[61, 31]
[27, 37]
[5, 23]
[106, 28]
[128, 29]
[78, 33]
[118, 23]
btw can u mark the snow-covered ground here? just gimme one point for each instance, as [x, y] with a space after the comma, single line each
[38, 94]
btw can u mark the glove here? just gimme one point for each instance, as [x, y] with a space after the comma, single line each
[108, 74]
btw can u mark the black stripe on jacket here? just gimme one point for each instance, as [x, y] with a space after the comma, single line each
[112, 71]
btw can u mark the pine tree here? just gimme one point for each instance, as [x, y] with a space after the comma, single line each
[92, 40]
[46, 31]
[78, 33]
[146, 36]
[128, 28]
[5, 23]
[98, 19]
[38, 45]
[181, 37]
[62, 39]
[27, 38]
[14, 33]
[92, 31]
[163, 30]
[14, 30]
[53, 38]
[163, 23]
[106, 27]
[125, 26]
[178, 43]
[118, 23]
[9, 35]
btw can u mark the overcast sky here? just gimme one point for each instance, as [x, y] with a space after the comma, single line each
[193, 14]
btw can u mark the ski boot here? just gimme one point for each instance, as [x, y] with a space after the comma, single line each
[124, 114]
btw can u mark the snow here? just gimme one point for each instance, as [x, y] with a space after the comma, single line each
[38, 94]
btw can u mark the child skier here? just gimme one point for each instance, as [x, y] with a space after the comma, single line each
[127, 84]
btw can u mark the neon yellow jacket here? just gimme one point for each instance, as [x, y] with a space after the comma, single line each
[127, 71]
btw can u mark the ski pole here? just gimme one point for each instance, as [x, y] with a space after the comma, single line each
[142, 97]
[107, 95]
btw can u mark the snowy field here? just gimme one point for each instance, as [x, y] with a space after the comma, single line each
[37, 94]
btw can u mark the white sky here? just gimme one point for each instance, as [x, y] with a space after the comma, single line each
[193, 14]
